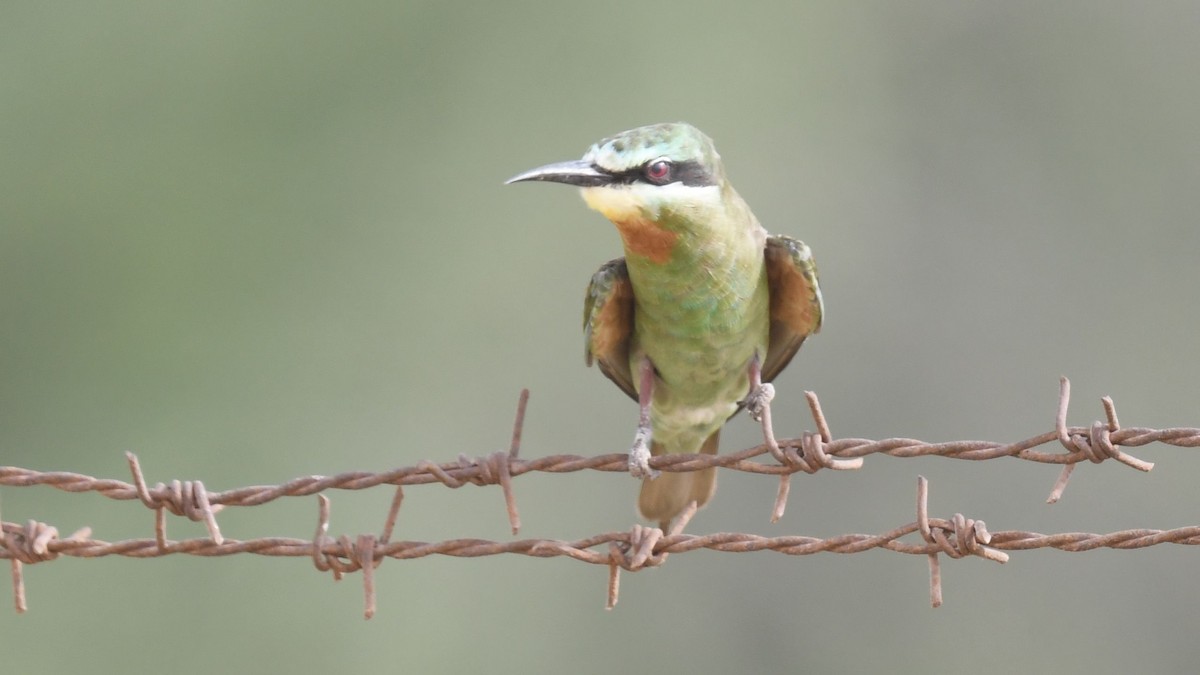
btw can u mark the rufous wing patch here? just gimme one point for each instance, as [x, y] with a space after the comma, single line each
[612, 323]
[796, 306]
[792, 296]
[608, 323]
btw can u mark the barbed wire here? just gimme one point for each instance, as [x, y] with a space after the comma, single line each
[640, 547]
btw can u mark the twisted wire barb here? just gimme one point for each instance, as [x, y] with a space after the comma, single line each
[641, 547]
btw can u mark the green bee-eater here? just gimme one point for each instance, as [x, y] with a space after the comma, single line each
[703, 310]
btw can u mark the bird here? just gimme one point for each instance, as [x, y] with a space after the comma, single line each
[701, 313]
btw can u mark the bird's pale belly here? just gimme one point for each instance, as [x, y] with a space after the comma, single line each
[699, 382]
[683, 428]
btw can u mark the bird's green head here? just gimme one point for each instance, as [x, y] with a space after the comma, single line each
[637, 174]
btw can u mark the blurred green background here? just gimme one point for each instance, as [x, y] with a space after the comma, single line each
[258, 240]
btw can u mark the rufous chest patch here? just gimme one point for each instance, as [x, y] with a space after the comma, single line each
[625, 207]
[646, 238]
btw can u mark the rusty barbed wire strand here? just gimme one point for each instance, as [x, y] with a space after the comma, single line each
[639, 548]
[642, 546]
[808, 453]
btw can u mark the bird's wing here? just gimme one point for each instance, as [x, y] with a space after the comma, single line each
[796, 306]
[608, 323]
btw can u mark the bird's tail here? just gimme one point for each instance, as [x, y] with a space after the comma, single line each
[664, 497]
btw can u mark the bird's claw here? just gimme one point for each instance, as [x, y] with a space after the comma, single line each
[758, 400]
[639, 456]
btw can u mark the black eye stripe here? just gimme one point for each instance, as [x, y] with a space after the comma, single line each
[692, 173]
[689, 173]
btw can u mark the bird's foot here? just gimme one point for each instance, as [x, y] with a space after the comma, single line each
[639, 455]
[759, 399]
[758, 404]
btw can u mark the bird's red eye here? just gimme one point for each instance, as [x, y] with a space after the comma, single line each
[658, 172]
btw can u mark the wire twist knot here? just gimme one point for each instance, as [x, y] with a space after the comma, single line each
[28, 545]
[641, 550]
[493, 469]
[960, 537]
[31, 544]
[957, 538]
[811, 457]
[1096, 445]
[638, 552]
[187, 498]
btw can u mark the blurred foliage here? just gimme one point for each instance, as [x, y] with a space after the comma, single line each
[255, 240]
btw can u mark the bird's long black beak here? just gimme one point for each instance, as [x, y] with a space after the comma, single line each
[575, 172]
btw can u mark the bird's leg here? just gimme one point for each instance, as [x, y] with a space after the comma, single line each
[639, 454]
[758, 403]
